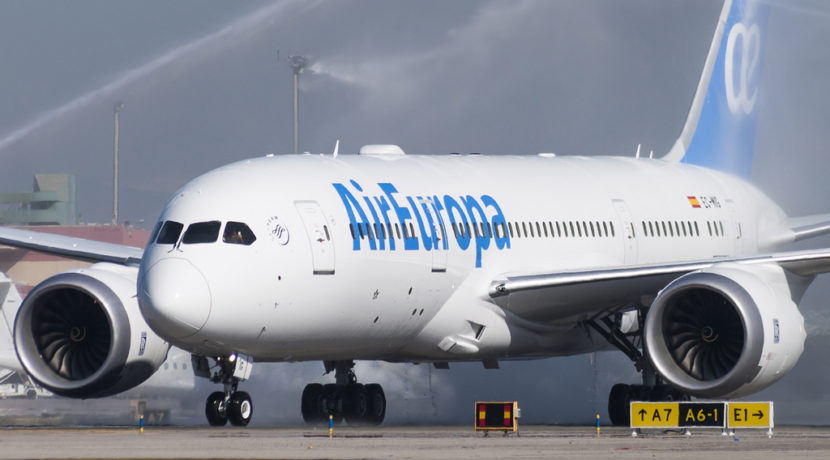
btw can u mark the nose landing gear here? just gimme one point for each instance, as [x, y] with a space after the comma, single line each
[359, 404]
[229, 405]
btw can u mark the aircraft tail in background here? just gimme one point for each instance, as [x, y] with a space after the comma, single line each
[9, 304]
[720, 129]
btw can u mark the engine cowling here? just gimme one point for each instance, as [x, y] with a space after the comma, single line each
[726, 331]
[81, 334]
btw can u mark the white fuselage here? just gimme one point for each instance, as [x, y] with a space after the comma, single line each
[317, 284]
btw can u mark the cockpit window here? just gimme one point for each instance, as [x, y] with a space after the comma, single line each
[169, 233]
[238, 233]
[155, 233]
[202, 232]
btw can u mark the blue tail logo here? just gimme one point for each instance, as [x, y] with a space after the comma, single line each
[722, 134]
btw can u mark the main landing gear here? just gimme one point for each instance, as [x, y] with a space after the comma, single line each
[625, 331]
[359, 404]
[229, 405]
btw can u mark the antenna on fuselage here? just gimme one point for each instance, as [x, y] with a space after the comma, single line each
[637, 155]
[336, 148]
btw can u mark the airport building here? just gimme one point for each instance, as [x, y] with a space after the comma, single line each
[52, 207]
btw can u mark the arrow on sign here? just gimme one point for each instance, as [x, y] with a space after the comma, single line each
[759, 414]
[642, 414]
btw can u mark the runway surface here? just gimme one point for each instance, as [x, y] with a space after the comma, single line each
[434, 442]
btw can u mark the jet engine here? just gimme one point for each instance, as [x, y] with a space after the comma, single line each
[726, 331]
[81, 334]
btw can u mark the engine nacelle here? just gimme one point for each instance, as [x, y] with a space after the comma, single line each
[726, 331]
[81, 334]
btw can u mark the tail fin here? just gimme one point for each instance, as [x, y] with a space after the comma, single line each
[720, 129]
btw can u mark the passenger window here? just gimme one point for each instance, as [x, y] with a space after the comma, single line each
[238, 233]
[351, 230]
[202, 232]
[697, 230]
[169, 233]
[593, 231]
[559, 230]
[720, 224]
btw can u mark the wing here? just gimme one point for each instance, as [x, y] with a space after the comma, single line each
[809, 227]
[570, 296]
[70, 247]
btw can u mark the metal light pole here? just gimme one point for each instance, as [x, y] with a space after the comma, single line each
[298, 64]
[117, 109]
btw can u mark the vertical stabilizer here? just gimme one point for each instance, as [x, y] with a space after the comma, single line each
[720, 129]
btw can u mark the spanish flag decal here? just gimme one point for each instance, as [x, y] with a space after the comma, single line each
[693, 201]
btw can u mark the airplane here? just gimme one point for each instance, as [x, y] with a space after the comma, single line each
[677, 261]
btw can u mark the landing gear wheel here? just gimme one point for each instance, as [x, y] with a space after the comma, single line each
[240, 409]
[619, 408]
[377, 404]
[215, 409]
[311, 405]
[355, 404]
[331, 403]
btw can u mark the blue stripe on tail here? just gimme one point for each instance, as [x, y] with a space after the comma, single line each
[725, 135]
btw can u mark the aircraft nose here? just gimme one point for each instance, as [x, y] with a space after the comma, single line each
[174, 297]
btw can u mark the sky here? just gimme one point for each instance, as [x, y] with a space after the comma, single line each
[208, 82]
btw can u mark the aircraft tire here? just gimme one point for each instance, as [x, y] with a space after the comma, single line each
[240, 409]
[331, 402]
[619, 404]
[215, 410]
[377, 404]
[311, 405]
[355, 404]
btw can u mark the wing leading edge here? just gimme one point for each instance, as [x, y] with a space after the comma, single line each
[569, 296]
[70, 247]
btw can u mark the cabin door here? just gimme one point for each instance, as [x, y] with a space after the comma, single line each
[319, 236]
